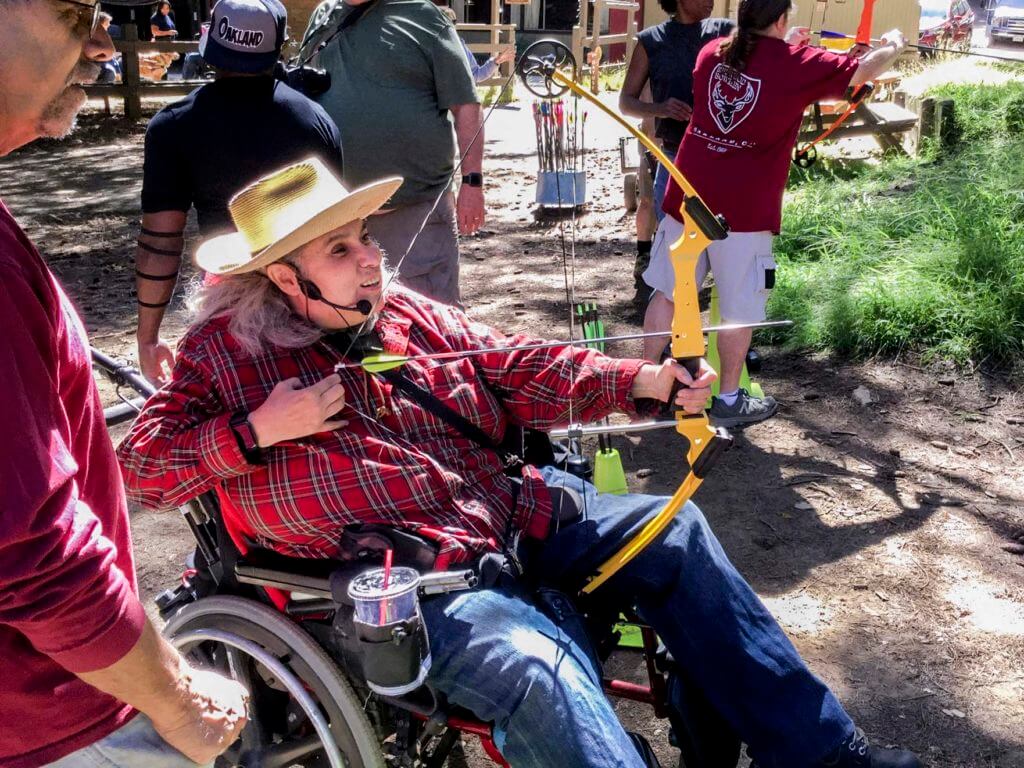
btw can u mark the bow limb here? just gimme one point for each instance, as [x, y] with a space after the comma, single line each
[863, 36]
[704, 443]
[700, 229]
[805, 156]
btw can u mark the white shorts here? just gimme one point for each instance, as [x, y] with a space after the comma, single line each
[742, 264]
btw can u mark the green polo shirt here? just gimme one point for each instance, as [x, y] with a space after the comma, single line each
[395, 73]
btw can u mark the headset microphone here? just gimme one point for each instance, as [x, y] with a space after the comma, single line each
[312, 292]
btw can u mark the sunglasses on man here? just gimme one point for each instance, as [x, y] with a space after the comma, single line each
[88, 14]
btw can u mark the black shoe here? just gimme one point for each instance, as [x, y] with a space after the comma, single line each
[856, 752]
[642, 297]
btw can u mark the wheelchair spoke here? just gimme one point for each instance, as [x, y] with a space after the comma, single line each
[240, 668]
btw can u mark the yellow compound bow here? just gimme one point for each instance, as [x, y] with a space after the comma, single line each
[700, 228]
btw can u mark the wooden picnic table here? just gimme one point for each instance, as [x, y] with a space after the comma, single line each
[886, 121]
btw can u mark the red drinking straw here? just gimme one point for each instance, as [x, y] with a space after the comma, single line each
[387, 579]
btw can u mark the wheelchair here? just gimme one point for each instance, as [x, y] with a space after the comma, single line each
[282, 627]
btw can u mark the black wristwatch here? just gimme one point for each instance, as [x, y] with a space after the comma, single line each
[473, 179]
[246, 437]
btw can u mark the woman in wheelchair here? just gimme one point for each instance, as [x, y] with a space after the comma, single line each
[298, 451]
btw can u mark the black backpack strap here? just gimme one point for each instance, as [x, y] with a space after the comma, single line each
[456, 421]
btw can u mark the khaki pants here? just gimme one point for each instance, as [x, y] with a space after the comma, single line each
[432, 265]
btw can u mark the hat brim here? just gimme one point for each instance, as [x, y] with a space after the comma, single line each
[230, 254]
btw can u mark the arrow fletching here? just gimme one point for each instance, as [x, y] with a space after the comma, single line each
[382, 362]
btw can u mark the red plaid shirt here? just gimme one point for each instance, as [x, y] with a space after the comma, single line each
[408, 468]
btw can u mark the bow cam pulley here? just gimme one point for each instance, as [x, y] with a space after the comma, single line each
[539, 62]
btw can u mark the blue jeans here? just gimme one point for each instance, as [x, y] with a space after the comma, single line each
[521, 660]
[134, 745]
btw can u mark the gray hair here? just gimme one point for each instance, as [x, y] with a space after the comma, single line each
[258, 312]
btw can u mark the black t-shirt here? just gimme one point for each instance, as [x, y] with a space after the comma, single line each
[672, 49]
[202, 150]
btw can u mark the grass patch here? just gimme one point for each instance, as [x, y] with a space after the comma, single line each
[611, 77]
[922, 256]
[503, 94]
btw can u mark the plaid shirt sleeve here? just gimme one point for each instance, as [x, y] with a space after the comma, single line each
[182, 444]
[545, 388]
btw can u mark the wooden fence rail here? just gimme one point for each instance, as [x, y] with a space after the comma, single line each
[133, 88]
[588, 32]
[495, 44]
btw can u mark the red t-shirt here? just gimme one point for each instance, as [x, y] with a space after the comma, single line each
[68, 597]
[736, 151]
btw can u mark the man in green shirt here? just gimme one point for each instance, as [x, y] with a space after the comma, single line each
[397, 70]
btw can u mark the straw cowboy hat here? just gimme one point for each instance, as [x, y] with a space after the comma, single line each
[286, 210]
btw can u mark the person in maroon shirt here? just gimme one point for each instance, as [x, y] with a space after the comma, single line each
[750, 92]
[267, 405]
[78, 658]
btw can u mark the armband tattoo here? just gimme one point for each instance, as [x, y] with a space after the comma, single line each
[154, 233]
[146, 276]
[159, 251]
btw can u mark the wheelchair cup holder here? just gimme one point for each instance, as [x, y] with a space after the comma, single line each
[390, 630]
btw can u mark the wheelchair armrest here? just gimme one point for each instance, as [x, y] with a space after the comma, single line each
[266, 568]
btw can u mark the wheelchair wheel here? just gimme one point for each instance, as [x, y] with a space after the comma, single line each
[298, 693]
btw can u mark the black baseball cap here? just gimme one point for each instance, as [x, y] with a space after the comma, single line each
[245, 35]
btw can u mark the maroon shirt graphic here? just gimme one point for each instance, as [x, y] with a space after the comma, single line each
[736, 151]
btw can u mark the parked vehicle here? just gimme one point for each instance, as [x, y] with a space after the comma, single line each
[1004, 21]
[946, 25]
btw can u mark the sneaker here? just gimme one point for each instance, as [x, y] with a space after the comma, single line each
[746, 410]
[856, 752]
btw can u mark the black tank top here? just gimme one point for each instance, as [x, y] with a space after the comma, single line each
[672, 50]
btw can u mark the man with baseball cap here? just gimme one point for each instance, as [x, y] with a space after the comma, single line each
[202, 149]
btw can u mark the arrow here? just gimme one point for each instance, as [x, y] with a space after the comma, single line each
[829, 34]
[385, 361]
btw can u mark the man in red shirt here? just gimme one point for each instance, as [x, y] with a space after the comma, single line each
[750, 92]
[78, 658]
[265, 405]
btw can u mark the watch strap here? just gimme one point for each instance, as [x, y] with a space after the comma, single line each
[245, 435]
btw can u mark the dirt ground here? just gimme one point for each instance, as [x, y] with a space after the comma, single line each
[885, 538]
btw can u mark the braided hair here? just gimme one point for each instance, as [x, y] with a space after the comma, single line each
[752, 16]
